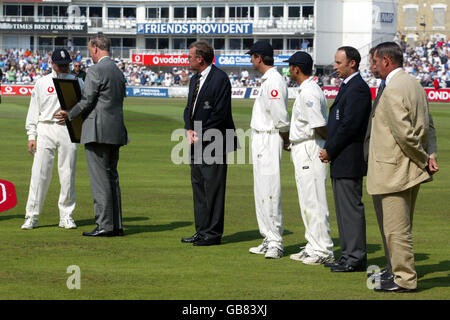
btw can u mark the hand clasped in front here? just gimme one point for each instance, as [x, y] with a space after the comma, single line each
[61, 116]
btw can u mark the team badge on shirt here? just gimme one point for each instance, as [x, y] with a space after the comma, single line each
[51, 90]
[274, 94]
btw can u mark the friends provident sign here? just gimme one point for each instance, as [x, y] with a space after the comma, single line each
[194, 28]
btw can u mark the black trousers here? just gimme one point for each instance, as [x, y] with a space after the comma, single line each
[351, 219]
[208, 186]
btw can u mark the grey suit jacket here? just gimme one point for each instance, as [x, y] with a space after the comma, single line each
[102, 105]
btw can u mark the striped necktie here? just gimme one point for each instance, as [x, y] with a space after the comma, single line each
[379, 92]
[194, 94]
[381, 88]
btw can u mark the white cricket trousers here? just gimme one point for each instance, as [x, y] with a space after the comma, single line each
[311, 177]
[266, 156]
[52, 137]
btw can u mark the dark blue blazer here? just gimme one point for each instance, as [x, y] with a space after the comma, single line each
[346, 129]
[213, 107]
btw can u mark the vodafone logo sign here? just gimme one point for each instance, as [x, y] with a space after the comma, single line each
[17, 90]
[51, 90]
[160, 60]
[8, 198]
[170, 60]
[25, 91]
[138, 59]
[274, 93]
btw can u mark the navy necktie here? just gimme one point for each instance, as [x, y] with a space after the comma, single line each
[341, 90]
[196, 78]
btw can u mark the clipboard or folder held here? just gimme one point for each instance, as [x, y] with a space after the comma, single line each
[69, 93]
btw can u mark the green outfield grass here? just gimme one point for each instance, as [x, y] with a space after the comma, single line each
[150, 262]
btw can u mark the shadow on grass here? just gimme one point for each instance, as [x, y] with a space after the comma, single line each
[248, 235]
[7, 217]
[370, 248]
[442, 282]
[381, 261]
[443, 266]
[293, 249]
[91, 222]
[130, 229]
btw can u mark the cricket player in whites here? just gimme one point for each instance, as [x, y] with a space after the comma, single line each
[270, 134]
[45, 138]
[307, 134]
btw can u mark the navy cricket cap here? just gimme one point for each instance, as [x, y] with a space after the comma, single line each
[61, 56]
[261, 47]
[301, 59]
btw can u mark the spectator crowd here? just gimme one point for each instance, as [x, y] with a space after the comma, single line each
[21, 66]
[427, 61]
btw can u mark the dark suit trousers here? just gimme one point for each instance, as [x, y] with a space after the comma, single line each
[102, 162]
[208, 186]
[350, 219]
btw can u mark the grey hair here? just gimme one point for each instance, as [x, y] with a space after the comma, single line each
[101, 41]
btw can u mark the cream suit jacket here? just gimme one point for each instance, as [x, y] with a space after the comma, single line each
[402, 137]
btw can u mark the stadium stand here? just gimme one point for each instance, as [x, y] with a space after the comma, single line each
[427, 61]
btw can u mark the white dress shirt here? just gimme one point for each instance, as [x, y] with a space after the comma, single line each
[350, 77]
[391, 74]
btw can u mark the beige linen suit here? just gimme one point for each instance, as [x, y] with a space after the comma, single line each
[402, 138]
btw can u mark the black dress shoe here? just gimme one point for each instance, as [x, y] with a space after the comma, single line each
[207, 242]
[332, 264]
[349, 268]
[383, 275]
[192, 239]
[118, 232]
[338, 262]
[387, 276]
[378, 274]
[99, 233]
[391, 286]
